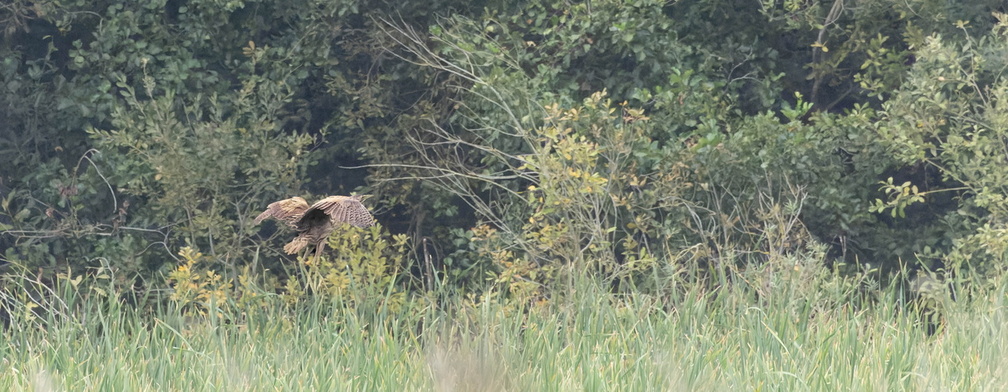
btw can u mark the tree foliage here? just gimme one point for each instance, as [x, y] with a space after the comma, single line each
[509, 141]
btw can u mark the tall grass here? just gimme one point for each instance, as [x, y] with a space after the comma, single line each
[730, 338]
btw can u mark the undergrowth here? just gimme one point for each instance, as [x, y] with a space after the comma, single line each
[793, 326]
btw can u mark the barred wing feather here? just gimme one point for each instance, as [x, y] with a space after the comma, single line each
[345, 209]
[288, 211]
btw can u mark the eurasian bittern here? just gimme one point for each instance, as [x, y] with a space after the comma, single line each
[314, 223]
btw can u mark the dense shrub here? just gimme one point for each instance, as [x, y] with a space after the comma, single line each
[509, 142]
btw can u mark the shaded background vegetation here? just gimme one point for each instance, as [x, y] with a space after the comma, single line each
[506, 140]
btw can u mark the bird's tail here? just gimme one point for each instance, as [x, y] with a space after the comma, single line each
[296, 245]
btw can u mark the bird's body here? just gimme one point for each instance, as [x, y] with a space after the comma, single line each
[314, 223]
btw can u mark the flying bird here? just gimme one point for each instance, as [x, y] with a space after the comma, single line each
[314, 223]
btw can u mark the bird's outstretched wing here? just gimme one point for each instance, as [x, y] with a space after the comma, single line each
[288, 210]
[345, 209]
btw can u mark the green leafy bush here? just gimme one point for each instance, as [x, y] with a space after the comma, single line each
[949, 117]
[360, 265]
[204, 166]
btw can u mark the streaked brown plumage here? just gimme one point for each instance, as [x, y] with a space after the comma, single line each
[314, 223]
[287, 211]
